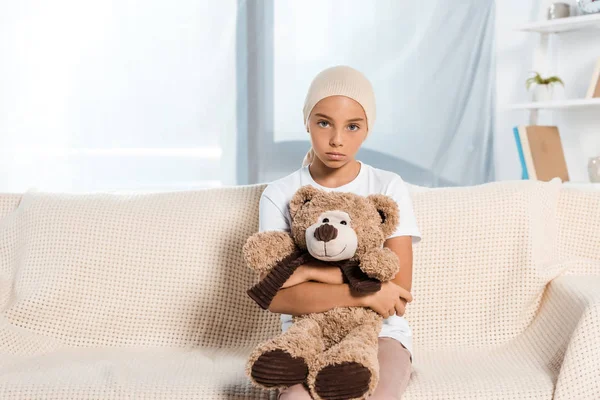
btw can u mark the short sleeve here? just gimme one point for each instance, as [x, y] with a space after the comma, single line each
[271, 216]
[398, 190]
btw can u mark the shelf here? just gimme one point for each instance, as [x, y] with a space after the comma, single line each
[583, 185]
[563, 104]
[563, 24]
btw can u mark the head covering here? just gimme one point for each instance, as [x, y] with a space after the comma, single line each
[340, 80]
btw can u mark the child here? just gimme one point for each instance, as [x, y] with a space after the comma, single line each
[339, 112]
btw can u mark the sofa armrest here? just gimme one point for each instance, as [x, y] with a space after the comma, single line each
[567, 332]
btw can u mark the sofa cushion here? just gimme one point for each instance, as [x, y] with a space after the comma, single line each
[212, 374]
[150, 270]
[486, 255]
[95, 373]
[479, 374]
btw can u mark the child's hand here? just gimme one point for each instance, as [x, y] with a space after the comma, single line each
[390, 300]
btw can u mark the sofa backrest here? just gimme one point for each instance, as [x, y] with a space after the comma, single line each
[8, 203]
[166, 269]
[480, 269]
[162, 269]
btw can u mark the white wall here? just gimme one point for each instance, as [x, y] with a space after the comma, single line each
[574, 57]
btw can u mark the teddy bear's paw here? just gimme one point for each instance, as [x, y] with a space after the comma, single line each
[279, 368]
[381, 264]
[263, 250]
[348, 380]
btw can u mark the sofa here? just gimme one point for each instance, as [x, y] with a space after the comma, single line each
[113, 295]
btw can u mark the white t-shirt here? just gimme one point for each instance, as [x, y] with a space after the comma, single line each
[274, 216]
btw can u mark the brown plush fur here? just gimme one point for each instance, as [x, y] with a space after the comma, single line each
[265, 249]
[343, 334]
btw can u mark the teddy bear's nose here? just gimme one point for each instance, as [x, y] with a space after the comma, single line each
[325, 233]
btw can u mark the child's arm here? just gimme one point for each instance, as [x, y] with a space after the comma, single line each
[314, 297]
[402, 247]
[407, 233]
[317, 271]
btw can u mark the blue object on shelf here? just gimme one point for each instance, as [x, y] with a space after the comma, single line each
[524, 174]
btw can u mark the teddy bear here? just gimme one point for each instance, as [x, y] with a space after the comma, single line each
[333, 353]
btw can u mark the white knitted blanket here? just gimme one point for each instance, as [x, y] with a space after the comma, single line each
[143, 296]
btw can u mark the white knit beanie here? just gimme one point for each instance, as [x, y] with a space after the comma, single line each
[340, 80]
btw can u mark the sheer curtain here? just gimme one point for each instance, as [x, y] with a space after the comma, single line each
[158, 95]
[117, 95]
[432, 67]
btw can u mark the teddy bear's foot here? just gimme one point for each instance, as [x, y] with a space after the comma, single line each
[279, 368]
[347, 380]
[349, 369]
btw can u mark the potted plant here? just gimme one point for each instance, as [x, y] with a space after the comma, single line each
[542, 87]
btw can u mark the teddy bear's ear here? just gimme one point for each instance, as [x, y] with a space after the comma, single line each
[301, 197]
[388, 211]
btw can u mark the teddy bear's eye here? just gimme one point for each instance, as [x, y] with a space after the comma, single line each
[325, 220]
[343, 223]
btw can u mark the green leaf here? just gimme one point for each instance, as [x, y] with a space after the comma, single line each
[538, 80]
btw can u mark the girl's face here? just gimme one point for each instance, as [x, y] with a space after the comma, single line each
[337, 127]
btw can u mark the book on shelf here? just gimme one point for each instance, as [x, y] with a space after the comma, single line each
[524, 172]
[594, 88]
[540, 152]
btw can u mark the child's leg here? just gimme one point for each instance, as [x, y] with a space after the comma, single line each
[295, 392]
[394, 369]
